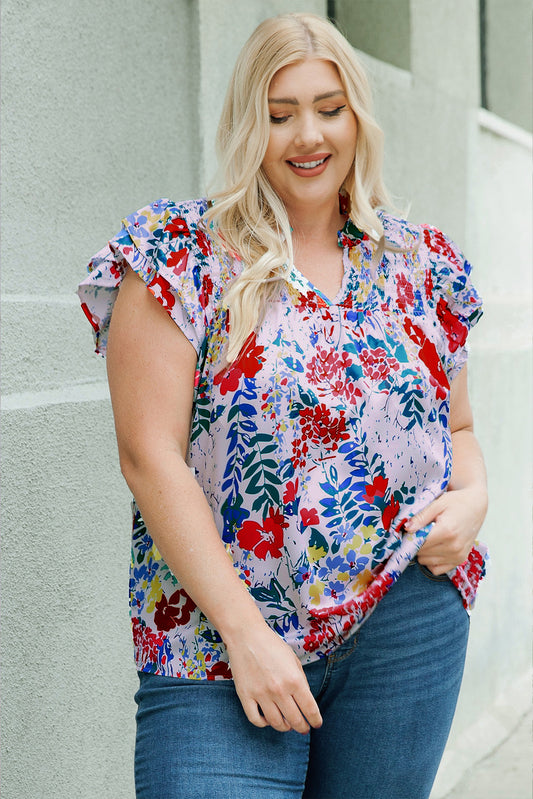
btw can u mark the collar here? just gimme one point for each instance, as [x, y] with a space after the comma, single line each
[350, 235]
[397, 232]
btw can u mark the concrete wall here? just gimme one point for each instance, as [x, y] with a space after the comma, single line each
[468, 171]
[508, 60]
[383, 30]
[108, 106]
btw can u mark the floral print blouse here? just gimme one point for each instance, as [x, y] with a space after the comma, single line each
[315, 445]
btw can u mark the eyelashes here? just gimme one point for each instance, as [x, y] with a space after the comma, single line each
[335, 112]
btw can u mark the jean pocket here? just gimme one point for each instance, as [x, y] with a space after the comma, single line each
[438, 578]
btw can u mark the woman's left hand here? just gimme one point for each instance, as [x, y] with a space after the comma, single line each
[457, 516]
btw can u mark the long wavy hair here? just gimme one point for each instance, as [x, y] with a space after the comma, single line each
[246, 215]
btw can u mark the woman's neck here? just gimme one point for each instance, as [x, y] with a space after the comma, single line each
[315, 223]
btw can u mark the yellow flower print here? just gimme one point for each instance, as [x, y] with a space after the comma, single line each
[154, 595]
[371, 536]
[200, 660]
[315, 591]
[352, 543]
[362, 580]
[380, 280]
[315, 553]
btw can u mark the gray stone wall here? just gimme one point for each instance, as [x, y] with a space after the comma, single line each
[508, 60]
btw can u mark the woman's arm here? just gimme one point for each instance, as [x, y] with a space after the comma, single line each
[151, 368]
[458, 514]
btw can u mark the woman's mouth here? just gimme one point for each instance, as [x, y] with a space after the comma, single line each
[308, 166]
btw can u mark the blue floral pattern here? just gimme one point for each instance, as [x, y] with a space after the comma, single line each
[315, 445]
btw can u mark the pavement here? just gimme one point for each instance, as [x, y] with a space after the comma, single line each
[506, 773]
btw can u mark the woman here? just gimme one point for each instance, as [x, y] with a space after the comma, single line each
[286, 397]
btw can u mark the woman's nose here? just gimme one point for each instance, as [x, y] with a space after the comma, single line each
[309, 132]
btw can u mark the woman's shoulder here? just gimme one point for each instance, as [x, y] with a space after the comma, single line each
[165, 223]
[431, 248]
[173, 239]
[164, 209]
[168, 247]
[399, 232]
[429, 275]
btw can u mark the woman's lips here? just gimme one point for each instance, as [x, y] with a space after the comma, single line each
[309, 165]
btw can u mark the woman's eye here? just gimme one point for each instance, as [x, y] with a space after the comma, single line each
[334, 112]
[278, 120]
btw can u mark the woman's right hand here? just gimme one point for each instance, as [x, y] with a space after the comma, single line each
[271, 683]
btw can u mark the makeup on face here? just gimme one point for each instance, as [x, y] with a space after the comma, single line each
[312, 133]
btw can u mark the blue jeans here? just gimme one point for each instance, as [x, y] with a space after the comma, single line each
[387, 698]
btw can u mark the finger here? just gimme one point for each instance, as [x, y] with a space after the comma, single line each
[436, 568]
[433, 545]
[274, 717]
[294, 699]
[294, 715]
[280, 705]
[294, 718]
[447, 543]
[442, 554]
[423, 517]
[308, 707]
[304, 699]
[254, 714]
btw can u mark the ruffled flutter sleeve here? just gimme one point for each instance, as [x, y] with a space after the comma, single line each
[165, 245]
[456, 302]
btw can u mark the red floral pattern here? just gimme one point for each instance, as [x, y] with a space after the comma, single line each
[177, 261]
[177, 227]
[206, 292]
[248, 363]
[429, 357]
[319, 633]
[316, 444]
[151, 643]
[328, 371]
[377, 489]
[173, 611]
[161, 289]
[309, 517]
[203, 242]
[406, 295]
[266, 538]
[220, 670]
[436, 241]
[455, 331]
[389, 513]
[321, 426]
[377, 365]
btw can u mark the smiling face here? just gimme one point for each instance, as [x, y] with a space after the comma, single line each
[313, 131]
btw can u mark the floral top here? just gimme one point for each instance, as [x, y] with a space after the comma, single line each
[315, 445]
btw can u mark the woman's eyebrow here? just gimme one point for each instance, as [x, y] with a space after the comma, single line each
[316, 99]
[325, 95]
[284, 100]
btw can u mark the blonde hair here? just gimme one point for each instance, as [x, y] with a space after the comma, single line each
[247, 216]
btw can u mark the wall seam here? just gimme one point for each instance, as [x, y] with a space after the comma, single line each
[26, 400]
